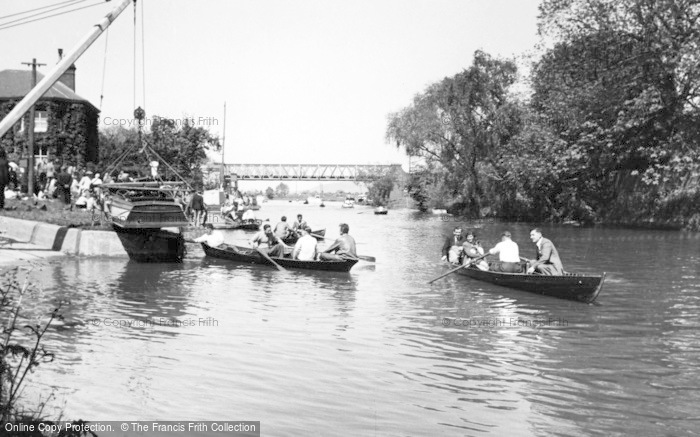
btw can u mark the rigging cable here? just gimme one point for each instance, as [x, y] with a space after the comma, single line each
[104, 69]
[134, 58]
[4, 26]
[57, 6]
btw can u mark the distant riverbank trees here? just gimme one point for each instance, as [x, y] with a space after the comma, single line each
[610, 131]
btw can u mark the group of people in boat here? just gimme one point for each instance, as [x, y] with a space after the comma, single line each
[239, 202]
[306, 247]
[467, 250]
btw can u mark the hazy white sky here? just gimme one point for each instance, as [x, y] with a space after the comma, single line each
[308, 81]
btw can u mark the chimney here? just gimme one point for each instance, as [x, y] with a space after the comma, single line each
[67, 78]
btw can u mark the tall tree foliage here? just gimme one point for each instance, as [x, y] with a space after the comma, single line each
[622, 85]
[458, 124]
[182, 146]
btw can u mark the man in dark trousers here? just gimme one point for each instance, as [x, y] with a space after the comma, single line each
[452, 246]
[4, 176]
[63, 183]
[548, 261]
[197, 207]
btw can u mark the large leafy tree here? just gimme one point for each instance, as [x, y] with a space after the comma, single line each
[458, 125]
[181, 145]
[622, 85]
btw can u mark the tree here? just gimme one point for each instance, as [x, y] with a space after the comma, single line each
[457, 125]
[622, 86]
[270, 193]
[380, 189]
[282, 190]
[181, 146]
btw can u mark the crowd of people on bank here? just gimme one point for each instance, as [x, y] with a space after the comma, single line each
[467, 250]
[76, 187]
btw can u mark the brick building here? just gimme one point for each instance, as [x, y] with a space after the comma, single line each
[65, 124]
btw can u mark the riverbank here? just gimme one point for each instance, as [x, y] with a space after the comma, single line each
[29, 239]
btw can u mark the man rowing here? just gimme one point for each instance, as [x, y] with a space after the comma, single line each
[471, 250]
[548, 261]
[343, 248]
[508, 255]
[275, 247]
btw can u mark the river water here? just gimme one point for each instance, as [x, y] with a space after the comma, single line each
[377, 351]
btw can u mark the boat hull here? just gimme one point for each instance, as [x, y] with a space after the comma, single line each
[151, 245]
[571, 286]
[251, 256]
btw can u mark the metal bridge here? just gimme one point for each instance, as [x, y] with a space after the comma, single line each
[307, 172]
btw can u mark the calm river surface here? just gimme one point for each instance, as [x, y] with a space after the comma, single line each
[376, 351]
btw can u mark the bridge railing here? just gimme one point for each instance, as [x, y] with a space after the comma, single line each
[309, 172]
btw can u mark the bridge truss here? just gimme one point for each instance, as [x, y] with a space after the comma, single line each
[309, 172]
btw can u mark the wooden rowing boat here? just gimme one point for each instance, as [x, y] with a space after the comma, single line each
[571, 286]
[231, 225]
[251, 256]
[293, 238]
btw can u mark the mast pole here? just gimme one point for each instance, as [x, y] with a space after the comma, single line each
[52, 76]
[223, 150]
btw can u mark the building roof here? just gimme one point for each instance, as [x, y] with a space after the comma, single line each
[15, 84]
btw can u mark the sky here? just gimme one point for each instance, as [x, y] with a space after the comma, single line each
[307, 81]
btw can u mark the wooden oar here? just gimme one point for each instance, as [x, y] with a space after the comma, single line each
[362, 257]
[267, 257]
[460, 267]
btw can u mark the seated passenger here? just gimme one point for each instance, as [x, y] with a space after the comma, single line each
[548, 261]
[305, 248]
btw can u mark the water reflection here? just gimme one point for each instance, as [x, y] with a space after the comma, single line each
[370, 351]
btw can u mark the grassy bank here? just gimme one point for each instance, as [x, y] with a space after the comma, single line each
[54, 212]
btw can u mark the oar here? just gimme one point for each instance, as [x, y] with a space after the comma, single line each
[362, 257]
[267, 257]
[460, 267]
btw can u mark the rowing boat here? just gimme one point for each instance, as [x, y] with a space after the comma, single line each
[251, 256]
[293, 238]
[571, 286]
[229, 224]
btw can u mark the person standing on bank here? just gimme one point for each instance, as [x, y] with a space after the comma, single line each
[343, 248]
[453, 246]
[4, 176]
[63, 183]
[508, 255]
[196, 205]
[548, 261]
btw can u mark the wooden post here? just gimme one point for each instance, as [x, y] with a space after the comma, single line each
[30, 134]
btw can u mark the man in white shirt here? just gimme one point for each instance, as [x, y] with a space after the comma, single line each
[508, 255]
[85, 182]
[305, 249]
[248, 216]
[211, 237]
